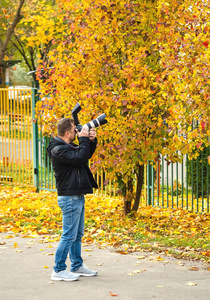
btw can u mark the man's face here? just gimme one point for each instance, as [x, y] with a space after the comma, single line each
[71, 134]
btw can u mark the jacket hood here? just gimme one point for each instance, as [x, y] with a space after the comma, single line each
[54, 142]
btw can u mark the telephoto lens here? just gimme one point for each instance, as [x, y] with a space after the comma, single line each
[101, 120]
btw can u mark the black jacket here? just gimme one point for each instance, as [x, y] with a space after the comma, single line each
[70, 165]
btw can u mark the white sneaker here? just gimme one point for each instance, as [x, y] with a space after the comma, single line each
[64, 275]
[84, 271]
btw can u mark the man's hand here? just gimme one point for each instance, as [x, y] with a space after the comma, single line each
[92, 134]
[83, 132]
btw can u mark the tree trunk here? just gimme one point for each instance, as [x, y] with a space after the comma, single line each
[128, 197]
[10, 31]
[140, 181]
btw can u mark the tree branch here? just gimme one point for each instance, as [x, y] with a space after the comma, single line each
[11, 30]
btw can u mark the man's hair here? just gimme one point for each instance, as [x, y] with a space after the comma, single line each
[64, 125]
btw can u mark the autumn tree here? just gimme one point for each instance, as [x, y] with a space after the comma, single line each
[130, 60]
[10, 15]
[33, 36]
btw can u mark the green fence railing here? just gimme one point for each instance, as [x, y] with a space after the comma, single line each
[176, 185]
[184, 184]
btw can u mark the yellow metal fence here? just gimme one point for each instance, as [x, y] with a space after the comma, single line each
[16, 136]
[16, 147]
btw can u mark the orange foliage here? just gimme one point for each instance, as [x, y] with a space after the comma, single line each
[145, 64]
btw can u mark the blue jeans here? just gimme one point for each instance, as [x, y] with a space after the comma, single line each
[73, 210]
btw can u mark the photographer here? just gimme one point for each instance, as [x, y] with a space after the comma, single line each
[73, 180]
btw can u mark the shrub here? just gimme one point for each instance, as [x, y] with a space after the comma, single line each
[194, 170]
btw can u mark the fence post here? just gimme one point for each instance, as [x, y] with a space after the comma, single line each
[35, 97]
[149, 183]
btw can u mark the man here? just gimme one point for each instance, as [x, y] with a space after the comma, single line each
[73, 180]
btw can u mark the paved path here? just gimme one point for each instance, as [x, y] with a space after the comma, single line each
[23, 276]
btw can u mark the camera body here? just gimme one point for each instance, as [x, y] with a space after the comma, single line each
[101, 120]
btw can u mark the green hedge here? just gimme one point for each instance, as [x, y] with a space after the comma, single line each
[197, 165]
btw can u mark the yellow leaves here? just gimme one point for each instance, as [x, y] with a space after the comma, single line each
[139, 271]
[15, 245]
[106, 224]
[136, 272]
[159, 258]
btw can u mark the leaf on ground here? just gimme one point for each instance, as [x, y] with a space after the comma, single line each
[191, 284]
[15, 245]
[9, 236]
[45, 267]
[159, 258]
[193, 269]
[113, 295]
[130, 274]
[139, 271]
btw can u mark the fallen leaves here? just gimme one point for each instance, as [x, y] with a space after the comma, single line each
[151, 228]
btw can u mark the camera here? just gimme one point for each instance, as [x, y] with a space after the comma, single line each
[101, 120]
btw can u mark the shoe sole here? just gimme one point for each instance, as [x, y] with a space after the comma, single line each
[63, 279]
[86, 275]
